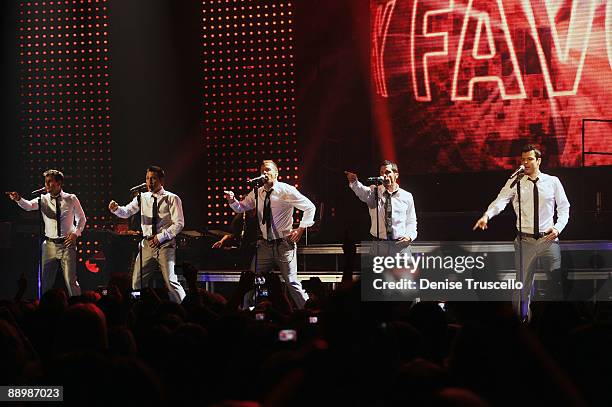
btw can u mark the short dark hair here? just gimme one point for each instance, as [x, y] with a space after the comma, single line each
[159, 171]
[392, 164]
[532, 147]
[55, 174]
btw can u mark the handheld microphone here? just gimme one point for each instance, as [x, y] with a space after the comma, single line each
[255, 180]
[376, 180]
[518, 171]
[139, 188]
[39, 191]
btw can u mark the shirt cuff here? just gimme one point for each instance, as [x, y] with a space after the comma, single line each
[306, 224]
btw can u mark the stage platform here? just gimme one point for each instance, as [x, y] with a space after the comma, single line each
[585, 261]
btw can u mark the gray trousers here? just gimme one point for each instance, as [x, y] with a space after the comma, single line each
[548, 254]
[282, 254]
[161, 258]
[54, 255]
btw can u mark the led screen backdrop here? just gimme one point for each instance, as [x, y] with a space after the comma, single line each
[461, 85]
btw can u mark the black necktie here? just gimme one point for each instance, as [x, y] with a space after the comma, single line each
[536, 208]
[58, 216]
[155, 216]
[388, 212]
[267, 214]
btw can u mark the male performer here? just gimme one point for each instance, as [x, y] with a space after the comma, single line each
[540, 193]
[60, 211]
[276, 201]
[395, 207]
[162, 219]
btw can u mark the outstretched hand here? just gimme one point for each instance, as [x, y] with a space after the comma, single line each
[229, 195]
[351, 176]
[13, 195]
[481, 223]
[112, 206]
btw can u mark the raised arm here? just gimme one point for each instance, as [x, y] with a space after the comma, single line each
[365, 194]
[124, 211]
[246, 204]
[31, 205]
[503, 198]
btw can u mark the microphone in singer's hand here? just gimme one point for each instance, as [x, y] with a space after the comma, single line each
[261, 178]
[518, 171]
[376, 180]
[39, 191]
[139, 188]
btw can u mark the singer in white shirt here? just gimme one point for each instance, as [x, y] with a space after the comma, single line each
[537, 239]
[401, 225]
[278, 245]
[59, 246]
[159, 229]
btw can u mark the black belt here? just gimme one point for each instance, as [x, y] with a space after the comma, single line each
[381, 239]
[536, 236]
[151, 237]
[55, 239]
[274, 241]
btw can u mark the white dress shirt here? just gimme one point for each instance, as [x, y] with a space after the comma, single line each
[71, 211]
[403, 215]
[283, 199]
[550, 193]
[170, 220]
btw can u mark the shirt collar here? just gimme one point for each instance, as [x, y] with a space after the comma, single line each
[60, 195]
[274, 185]
[263, 191]
[395, 191]
[159, 193]
[537, 176]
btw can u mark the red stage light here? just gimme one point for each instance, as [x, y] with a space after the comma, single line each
[92, 267]
[58, 114]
